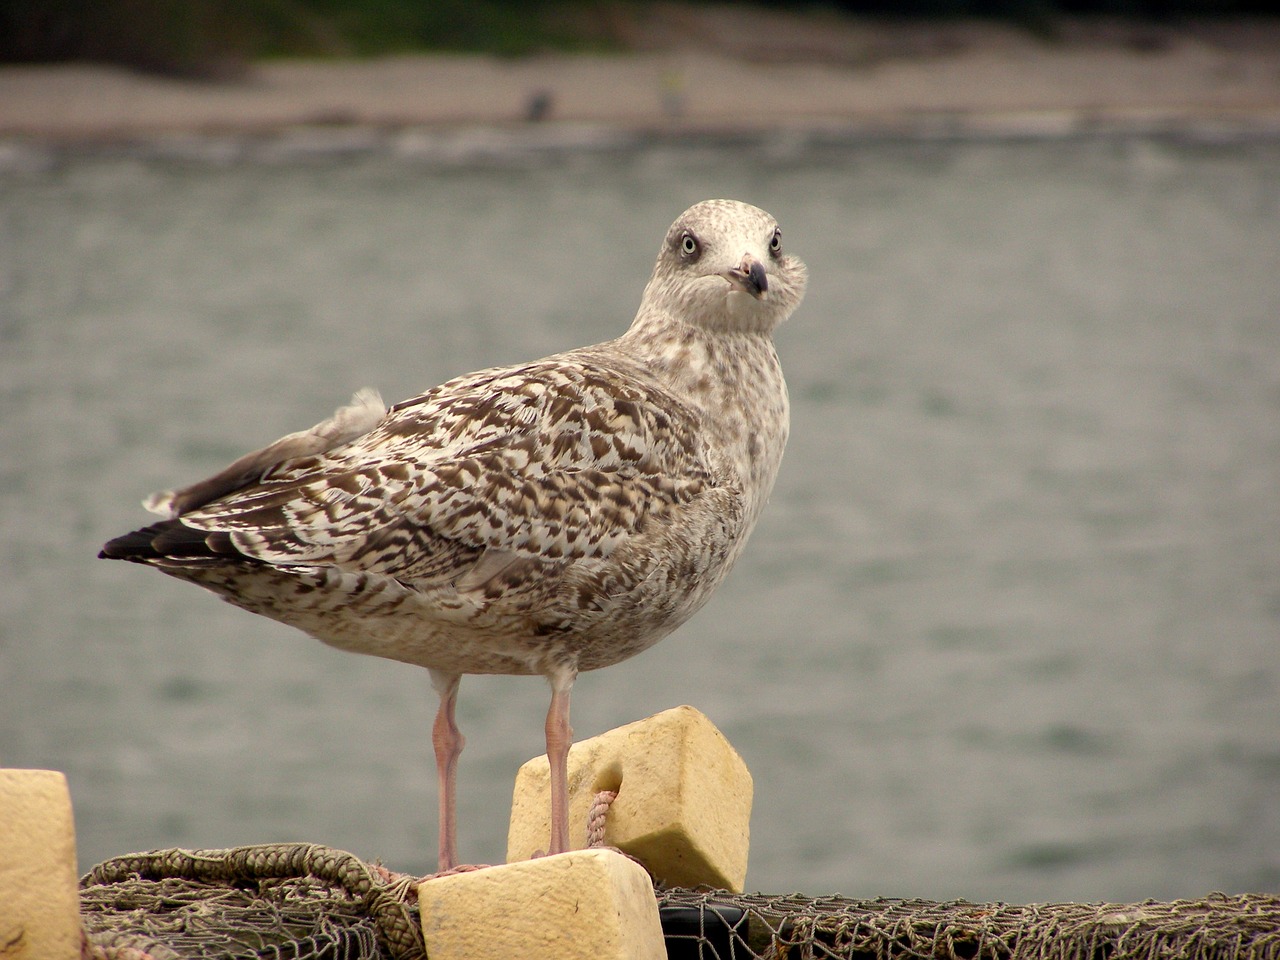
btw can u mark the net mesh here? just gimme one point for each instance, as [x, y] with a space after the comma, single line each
[308, 902]
[713, 924]
[275, 902]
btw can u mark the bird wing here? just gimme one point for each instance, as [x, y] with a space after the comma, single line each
[347, 423]
[553, 461]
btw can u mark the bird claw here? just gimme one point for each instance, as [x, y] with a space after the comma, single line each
[452, 871]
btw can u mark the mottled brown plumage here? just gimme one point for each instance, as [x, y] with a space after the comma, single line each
[548, 518]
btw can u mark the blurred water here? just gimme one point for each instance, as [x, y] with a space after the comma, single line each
[1008, 630]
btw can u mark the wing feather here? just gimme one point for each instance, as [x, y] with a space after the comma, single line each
[347, 423]
[557, 461]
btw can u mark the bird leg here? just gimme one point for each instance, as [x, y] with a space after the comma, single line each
[448, 742]
[559, 738]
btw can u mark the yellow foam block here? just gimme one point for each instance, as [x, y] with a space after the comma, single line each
[587, 904]
[39, 896]
[683, 807]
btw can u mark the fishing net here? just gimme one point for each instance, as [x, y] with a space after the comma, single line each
[307, 902]
[718, 926]
[271, 902]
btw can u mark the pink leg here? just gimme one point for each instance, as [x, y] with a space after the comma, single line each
[559, 738]
[448, 741]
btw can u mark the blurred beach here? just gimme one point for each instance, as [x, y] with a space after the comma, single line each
[708, 70]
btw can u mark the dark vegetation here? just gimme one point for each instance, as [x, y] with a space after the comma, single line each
[214, 37]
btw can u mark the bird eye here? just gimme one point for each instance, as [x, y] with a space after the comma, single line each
[775, 245]
[689, 245]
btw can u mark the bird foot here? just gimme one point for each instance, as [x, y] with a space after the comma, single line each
[409, 882]
[460, 868]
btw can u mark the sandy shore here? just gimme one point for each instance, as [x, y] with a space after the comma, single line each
[1216, 79]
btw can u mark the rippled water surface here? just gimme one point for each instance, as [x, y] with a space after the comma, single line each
[1009, 629]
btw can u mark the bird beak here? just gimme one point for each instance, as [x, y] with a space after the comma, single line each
[749, 277]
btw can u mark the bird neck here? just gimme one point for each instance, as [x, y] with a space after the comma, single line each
[734, 378]
[700, 363]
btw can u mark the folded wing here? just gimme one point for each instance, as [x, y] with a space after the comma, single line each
[550, 463]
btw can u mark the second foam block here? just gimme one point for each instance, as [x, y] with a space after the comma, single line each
[683, 807]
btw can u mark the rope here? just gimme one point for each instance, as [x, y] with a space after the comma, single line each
[314, 870]
[596, 817]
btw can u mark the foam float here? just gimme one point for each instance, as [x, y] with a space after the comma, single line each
[39, 897]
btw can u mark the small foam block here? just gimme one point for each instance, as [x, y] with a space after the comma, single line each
[39, 895]
[580, 905]
[683, 806]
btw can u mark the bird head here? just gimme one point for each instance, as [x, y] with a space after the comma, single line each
[722, 266]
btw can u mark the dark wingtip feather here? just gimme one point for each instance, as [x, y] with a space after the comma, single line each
[137, 545]
[168, 539]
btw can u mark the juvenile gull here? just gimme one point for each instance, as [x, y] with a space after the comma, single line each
[547, 518]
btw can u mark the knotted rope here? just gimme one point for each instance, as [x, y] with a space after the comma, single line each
[596, 817]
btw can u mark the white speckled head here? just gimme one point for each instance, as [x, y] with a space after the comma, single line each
[722, 266]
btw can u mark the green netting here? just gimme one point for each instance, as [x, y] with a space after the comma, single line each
[307, 902]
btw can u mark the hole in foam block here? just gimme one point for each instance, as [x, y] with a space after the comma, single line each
[607, 778]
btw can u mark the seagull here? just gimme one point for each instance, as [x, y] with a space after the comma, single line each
[539, 519]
